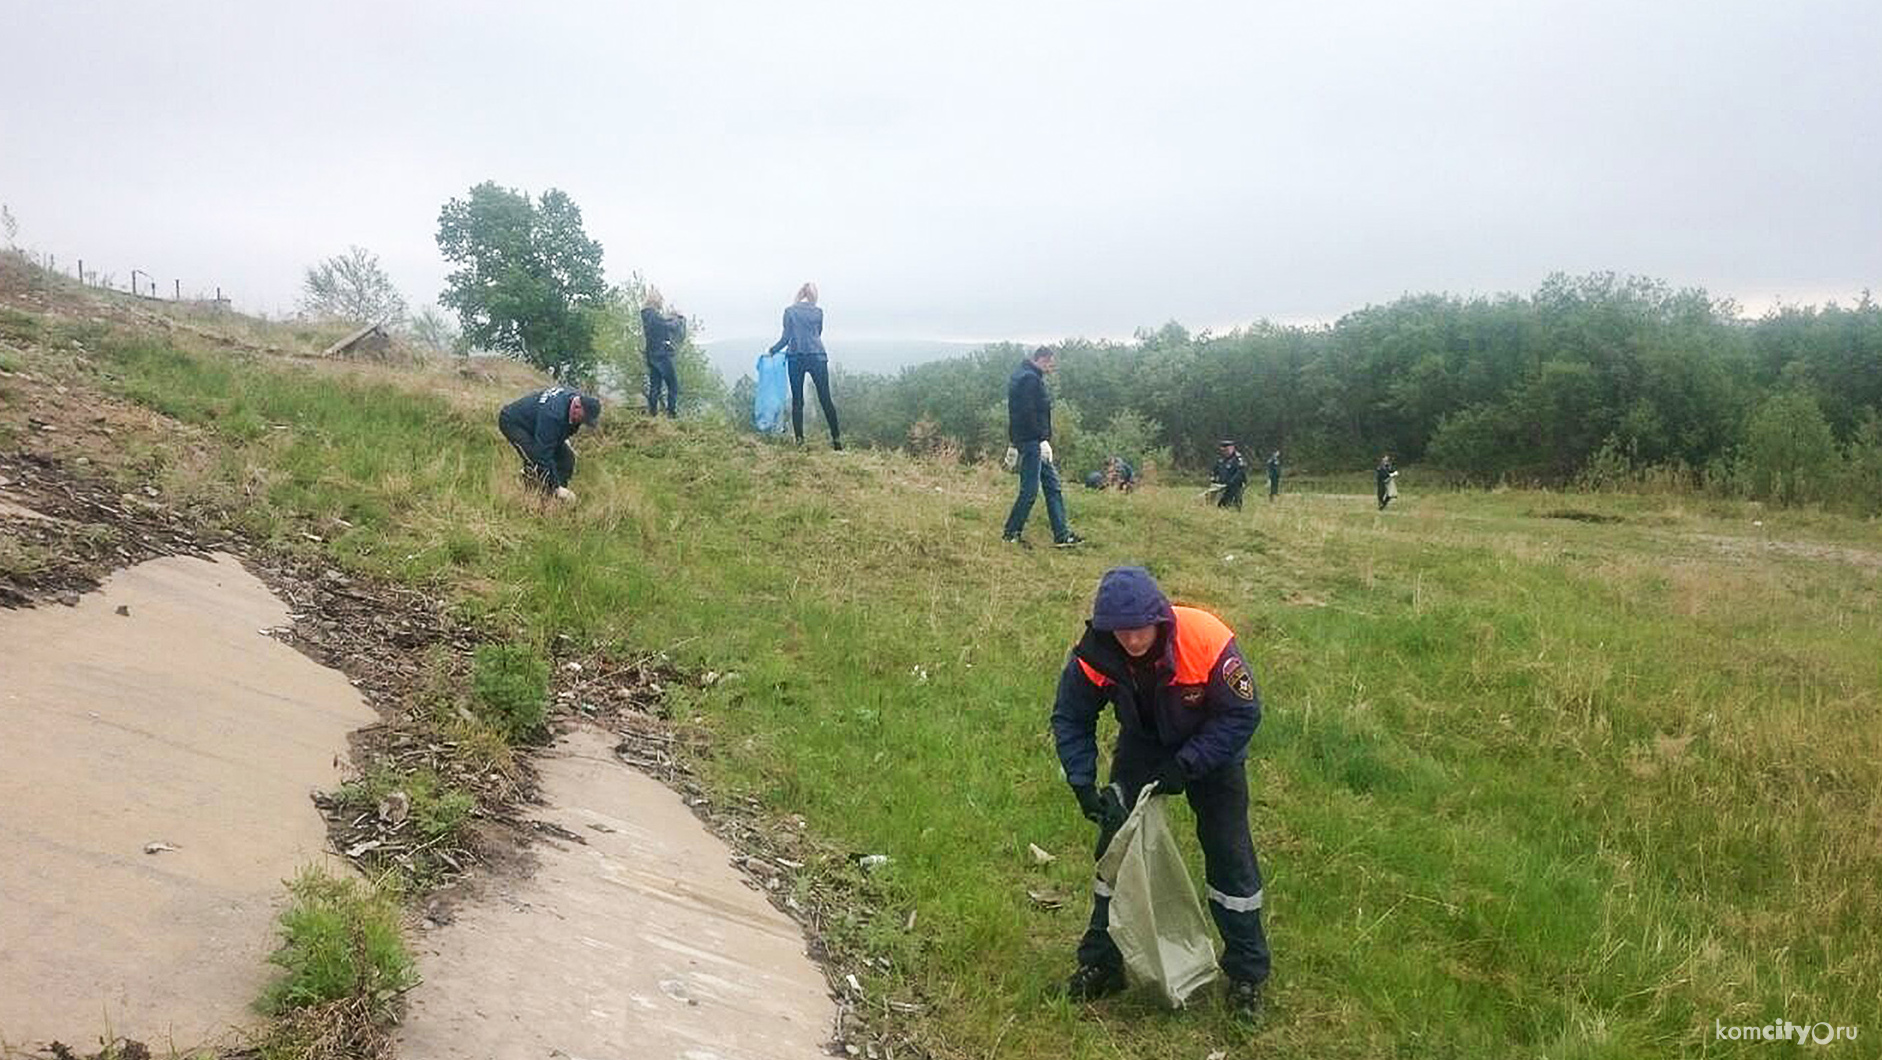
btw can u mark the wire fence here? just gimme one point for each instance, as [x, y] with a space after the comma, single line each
[139, 283]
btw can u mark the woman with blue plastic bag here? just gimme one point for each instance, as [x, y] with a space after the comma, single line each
[803, 340]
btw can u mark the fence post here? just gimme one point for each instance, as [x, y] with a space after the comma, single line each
[179, 289]
[81, 272]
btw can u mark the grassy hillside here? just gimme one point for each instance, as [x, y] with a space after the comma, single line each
[1540, 774]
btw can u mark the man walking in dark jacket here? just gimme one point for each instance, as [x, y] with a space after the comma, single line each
[1230, 476]
[1029, 429]
[1186, 708]
[663, 332]
[1274, 474]
[539, 425]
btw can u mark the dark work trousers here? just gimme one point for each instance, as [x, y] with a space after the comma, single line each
[1036, 475]
[1231, 496]
[1274, 484]
[660, 373]
[521, 439]
[1220, 801]
[818, 369]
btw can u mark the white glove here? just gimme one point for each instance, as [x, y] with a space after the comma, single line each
[1011, 459]
[1045, 451]
[563, 493]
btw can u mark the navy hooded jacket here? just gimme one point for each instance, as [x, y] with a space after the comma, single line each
[543, 417]
[662, 331]
[803, 332]
[1202, 705]
[1028, 405]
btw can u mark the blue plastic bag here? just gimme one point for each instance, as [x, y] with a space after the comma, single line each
[774, 394]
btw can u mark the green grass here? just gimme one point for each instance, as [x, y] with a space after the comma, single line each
[340, 942]
[512, 687]
[437, 810]
[1526, 785]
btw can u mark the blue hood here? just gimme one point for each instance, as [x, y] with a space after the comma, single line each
[1128, 597]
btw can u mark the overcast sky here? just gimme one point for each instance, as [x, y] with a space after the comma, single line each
[967, 170]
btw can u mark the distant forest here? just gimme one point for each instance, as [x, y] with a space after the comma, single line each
[1598, 381]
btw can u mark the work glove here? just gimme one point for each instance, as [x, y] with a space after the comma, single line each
[1045, 451]
[564, 494]
[1011, 460]
[1104, 808]
[1170, 779]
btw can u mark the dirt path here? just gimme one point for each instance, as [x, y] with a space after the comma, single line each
[155, 712]
[635, 938]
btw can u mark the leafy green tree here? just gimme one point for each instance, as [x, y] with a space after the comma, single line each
[526, 275]
[1789, 455]
[353, 288]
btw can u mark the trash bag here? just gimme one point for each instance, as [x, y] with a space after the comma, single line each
[1156, 920]
[773, 398]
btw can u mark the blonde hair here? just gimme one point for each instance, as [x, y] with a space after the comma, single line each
[655, 299]
[807, 293]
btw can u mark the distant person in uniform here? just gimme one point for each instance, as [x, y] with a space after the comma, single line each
[663, 333]
[1230, 476]
[1029, 429]
[1274, 475]
[539, 425]
[805, 356]
[1385, 473]
[1186, 708]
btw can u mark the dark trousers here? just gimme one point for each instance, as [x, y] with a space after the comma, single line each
[660, 372]
[521, 440]
[1231, 496]
[1220, 801]
[1034, 474]
[818, 369]
[1274, 485]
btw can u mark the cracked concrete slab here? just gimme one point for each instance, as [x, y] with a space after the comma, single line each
[641, 941]
[155, 712]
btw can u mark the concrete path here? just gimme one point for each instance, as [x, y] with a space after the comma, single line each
[154, 712]
[642, 943]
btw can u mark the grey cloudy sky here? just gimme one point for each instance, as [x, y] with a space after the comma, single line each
[968, 170]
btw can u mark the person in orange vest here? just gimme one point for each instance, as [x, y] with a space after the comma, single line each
[1186, 708]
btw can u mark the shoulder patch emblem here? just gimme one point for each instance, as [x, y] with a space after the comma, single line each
[1235, 674]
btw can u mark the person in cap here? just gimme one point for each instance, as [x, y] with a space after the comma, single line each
[1186, 707]
[539, 425]
[1230, 476]
[1274, 475]
[1029, 432]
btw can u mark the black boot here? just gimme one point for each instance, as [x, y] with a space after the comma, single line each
[1091, 982]
[1244, 999]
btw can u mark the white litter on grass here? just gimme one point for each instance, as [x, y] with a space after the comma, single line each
[1039, 855]
[872, 862]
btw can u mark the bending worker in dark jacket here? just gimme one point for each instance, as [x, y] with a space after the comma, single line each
[663, 332]
[803, 338]
[1186, 707]
[1029, 429]
[539, 425]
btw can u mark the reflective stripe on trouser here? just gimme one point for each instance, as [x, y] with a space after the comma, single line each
[1220, 802]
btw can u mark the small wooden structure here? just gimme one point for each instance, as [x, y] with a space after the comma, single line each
[370, 341]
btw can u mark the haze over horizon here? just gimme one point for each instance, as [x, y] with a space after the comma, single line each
[982, 172]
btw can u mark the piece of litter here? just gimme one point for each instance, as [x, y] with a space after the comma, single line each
[1039, 855]
[872, 862]
[124, 609]
[360, 848]
[573, 667]
[855, 987]
[158, 847]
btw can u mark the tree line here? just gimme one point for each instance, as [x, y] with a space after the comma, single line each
[1599, 381]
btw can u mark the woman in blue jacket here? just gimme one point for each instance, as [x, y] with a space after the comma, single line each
[803, 339]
